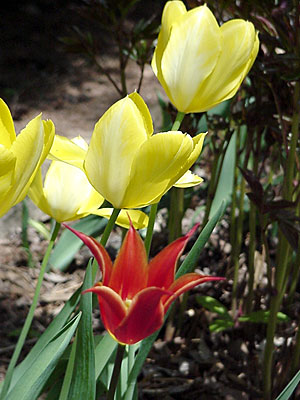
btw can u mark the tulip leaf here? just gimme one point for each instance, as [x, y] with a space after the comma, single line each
[57, 324]
[32, 381]
[289, 389]
[103, 352]
[83, 386]
[219, 325]
[187, 266]
[225, 183]
[190, 261]
[69, 244]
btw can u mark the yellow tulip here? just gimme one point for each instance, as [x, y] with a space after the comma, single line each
[199, 63]
[128, 165]
[67, 195]
[20, 156]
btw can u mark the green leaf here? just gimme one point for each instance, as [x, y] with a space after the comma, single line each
[187, 266]
[288, 390]
[57, 324]
[103, 352]
[213, 305]
[83, 384]
[262, 316]
[220, 325]
[225, 184]
[69, 244]
[32, 381]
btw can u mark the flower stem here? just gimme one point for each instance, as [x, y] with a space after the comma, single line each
[116, 372]
[149, 234]
[109, 226]
[30, 314]
[179, 118]
[105, 236]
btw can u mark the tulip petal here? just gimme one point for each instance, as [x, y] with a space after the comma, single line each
[145, 316]
[171, 12]
[139, 218]
[157, 166]
[162, 266]
[130, 271]
[239, 50]
[185, 283]
[72, 151]
[188, 180]
[115, 141]
[7, 130]
[7, 166]
[98, 251]
[190, 55]
[69, 193]
[112, 308]
[37, 195]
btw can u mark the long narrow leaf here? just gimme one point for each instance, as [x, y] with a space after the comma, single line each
[57, 324]
[32, 381]
[288, 390]
[83, 384]
[187, 266]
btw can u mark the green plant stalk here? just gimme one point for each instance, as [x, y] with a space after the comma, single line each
[105, 236]
[150, 227]
[283, 251]
[237, 245]
[116, 372]
[177, 196]
[30, 314]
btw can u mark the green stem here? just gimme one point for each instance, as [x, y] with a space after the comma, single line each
[30, 315]
[179, 118]
[109, 227]
[149, 234]
[116, 372]
[176, 213]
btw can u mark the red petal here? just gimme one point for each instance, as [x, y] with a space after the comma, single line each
[98, 251]
[112, 308]
[145, 316]
[185, 283]
[162, 267]
[129, 274]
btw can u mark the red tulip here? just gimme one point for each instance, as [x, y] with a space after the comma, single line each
[134, 295]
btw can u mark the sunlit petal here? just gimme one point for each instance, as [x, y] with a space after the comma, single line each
[129, 274]
[188, 180]
[145, 316]
[70, 151]
[138, 218]
[162, 266]
[7, 130]
[116, 139]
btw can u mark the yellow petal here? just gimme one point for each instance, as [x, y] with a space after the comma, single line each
[139, 219]
[27, 148]
[239, 50]
[116, 139]
[171, 12]
[70, 151]
[188, 180]
[157, 166]
[7, 130]
[190, 55]
[7, 166]
[69, 193]
[36, 193]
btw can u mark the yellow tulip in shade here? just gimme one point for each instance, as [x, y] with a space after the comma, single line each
[20, 156]
[199, 63]
[67, 195]
[127, 164]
